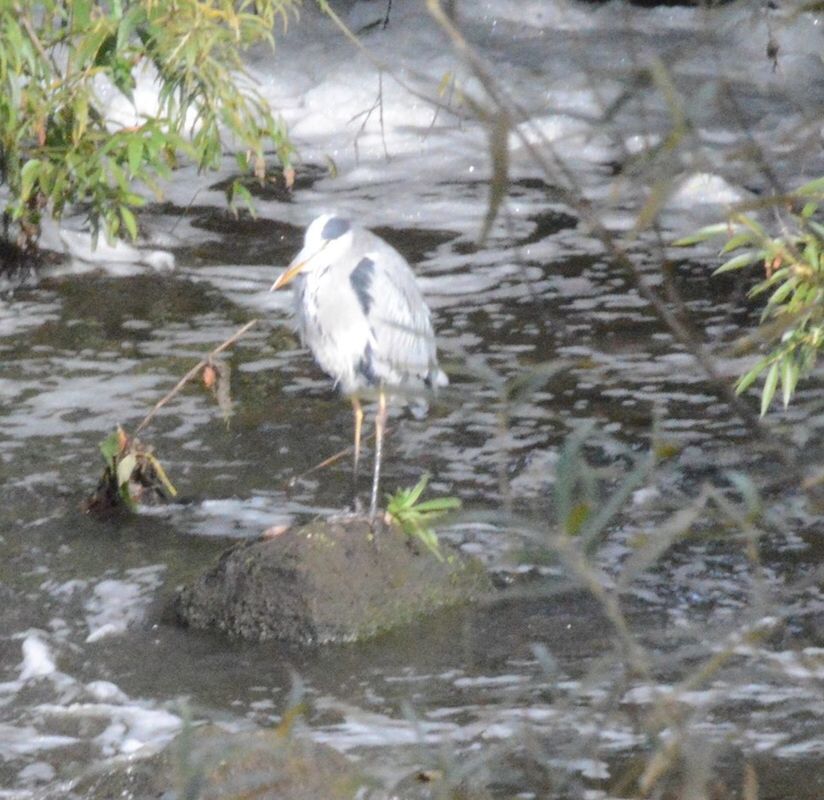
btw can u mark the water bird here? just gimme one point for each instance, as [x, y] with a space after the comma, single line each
[360, 311]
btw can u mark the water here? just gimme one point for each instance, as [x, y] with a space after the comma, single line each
[106, 674]
[92, 671]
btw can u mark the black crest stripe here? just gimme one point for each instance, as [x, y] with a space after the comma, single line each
[335, 227]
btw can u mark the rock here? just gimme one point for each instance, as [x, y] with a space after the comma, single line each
[210, 763]
[330, 581]
[434, 785]
[269, 765]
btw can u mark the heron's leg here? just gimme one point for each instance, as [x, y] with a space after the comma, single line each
[358, 412]
[380, 425]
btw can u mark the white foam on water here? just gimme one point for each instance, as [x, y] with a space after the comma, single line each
[38, 661]
[482, 681]
[237, 517]
[16, 741]
[130, 727]
[116, 603]
[706, 188]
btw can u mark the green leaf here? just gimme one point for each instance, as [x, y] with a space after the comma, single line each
[747, 380]
[813, 187]
[577, 517]
[125, 468]
[129, 221]
[110, 447]
[781, 293]
[702, 234]
[81, 14]
[789, 378]
[739, 261]
[28, 176]
[134, 153]
[85, 54]
[429, 539]
[438, 505]
[748, 491]
[418, 489]
[412, 516]
[770, 385]
[816, 227]
[126, 497]
[161, 473]
[739, 240]
[129, 23]
[239, 191]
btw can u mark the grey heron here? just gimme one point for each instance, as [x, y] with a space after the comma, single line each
[361, 313]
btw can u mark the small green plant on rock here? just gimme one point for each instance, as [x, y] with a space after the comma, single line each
[792, 320]
[414, 516]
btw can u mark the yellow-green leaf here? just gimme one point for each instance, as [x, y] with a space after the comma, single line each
[129, 221]
[702, 234]
[789, 379]
[28, 175]
[161, 473]
[134, 153]
[125, 468]
[739, 261]
[770, 385]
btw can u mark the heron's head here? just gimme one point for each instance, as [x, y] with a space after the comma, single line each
[327, 239]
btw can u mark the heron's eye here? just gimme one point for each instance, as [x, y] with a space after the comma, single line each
[335, 227]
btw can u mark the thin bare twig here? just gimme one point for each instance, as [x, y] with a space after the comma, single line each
[367, 115]
[193, 373]
[333, 459]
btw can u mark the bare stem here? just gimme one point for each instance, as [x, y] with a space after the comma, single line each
[193, 373]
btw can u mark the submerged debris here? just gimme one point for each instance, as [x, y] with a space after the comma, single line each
[133, 476]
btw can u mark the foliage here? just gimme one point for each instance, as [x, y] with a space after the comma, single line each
[583, 509]
[415, 517]
[133, 475]
[793, 284]
[57, 146]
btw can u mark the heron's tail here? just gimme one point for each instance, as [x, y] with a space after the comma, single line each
[436, 377]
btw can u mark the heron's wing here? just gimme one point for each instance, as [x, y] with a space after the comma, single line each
[403, 343]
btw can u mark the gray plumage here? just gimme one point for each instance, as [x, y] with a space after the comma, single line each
[361, 313]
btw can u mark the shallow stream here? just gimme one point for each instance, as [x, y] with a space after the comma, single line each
[92, 671]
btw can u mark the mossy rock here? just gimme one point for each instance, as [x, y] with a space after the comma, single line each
[211, 764]
[268, 765]
[333, 580]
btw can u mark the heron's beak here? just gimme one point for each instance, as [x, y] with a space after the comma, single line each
[289, 274]
[293, 270]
